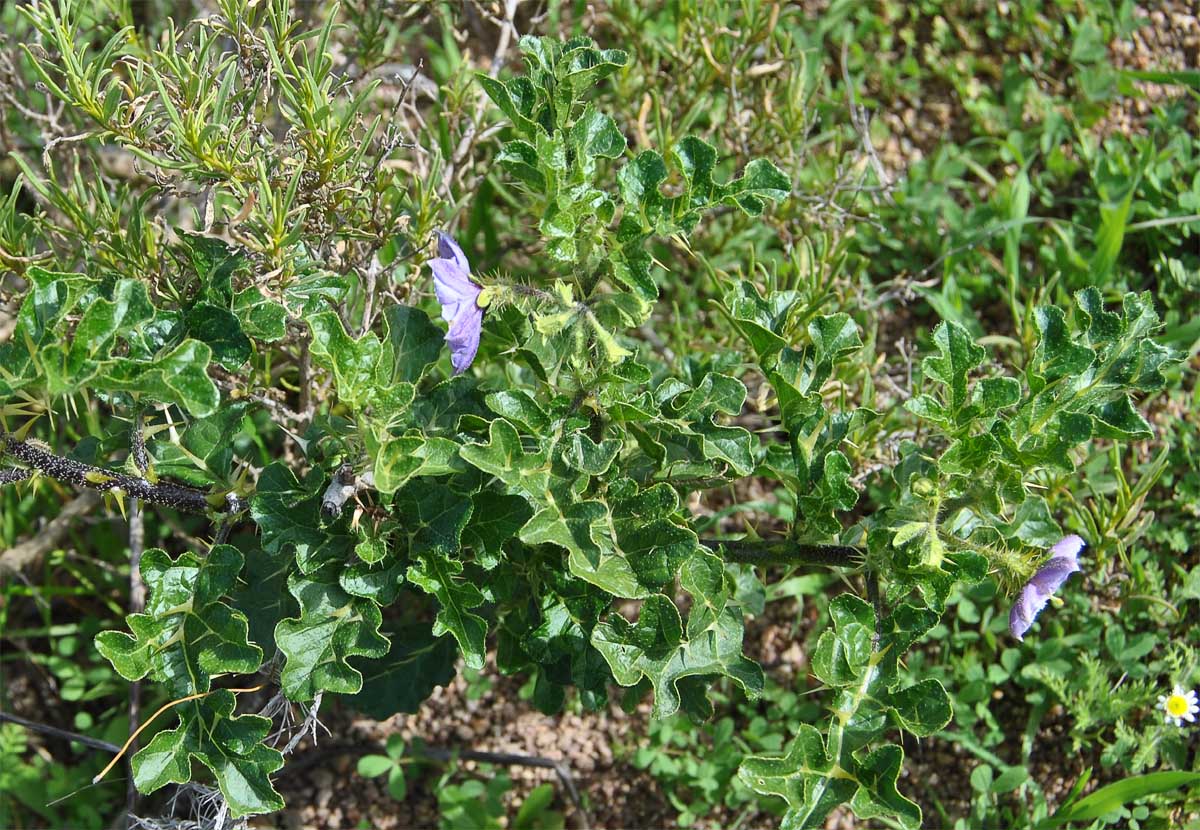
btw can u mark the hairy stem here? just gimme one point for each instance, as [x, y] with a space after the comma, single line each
[69, 471]
[785, 553]
[11, 475]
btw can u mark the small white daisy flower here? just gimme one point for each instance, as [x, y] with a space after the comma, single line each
[1179, 706]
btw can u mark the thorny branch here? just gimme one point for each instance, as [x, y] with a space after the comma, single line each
[70, 471]
[277, 409]
[11, 475]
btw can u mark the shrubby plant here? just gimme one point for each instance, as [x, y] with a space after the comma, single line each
[525, 474]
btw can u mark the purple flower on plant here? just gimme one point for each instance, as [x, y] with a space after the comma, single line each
[1064, 561]
[460, 299]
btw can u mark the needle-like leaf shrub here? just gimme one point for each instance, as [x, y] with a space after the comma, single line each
[413, 512]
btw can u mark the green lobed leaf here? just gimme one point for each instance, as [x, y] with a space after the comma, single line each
[528, 472]
[51, 296]
[1056, 355]
[221, 329]
[958, 356]
[259, 317]
[231, 747]
[332, 627]
[434, 521]
[188, 633]
[441, 577]
[1033, 524]
[877, 772]
[379, 580]
[859, 661]
[214, 263]
[102, 323]
[655, 648]
[202, 453]
[314, 292]
[180, 376]
[595, 135]
[829, 494]
[584, 64]
[555, 643]
[1081, 381]
[513, 101]
[261, 595]
[922, 708]
[586, 456]
[520, 159]
[520, 409]
[629, 547]
[495, 518]
[638, 183]
[760, 181]
[582, 529]
[804, 778]
[990, 395]
[354, 363]
[399, 460]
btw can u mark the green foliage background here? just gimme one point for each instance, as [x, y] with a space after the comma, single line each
[727, 353]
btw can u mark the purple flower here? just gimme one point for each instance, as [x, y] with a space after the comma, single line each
[459, 296]
[1064, 561]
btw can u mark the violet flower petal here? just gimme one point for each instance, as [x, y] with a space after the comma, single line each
[1028, 605]
[1044, 584]
[454, 288]
[458, 295]
[463, 338]
[448, 249]
[1069, 547]
[1052, 575]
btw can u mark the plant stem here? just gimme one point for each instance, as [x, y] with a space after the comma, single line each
[137, 591]
[185, 499]
[55, 732]
[11, 475]
[530, 291]
[785, 553]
